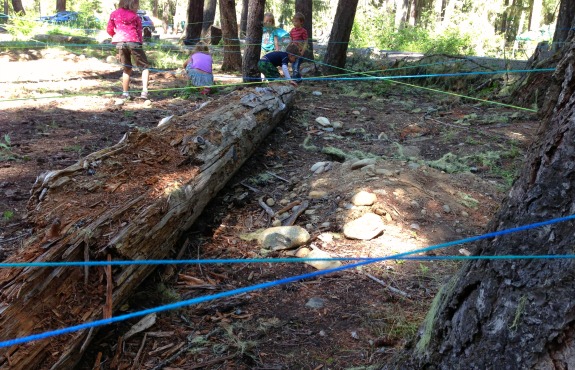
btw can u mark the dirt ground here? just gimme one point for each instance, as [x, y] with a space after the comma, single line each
[424, 195]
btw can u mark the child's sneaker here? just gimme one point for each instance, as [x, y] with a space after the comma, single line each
[143, 95]
[205, 91]
[126, 96]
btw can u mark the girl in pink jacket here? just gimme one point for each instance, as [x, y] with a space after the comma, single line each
[125, 27]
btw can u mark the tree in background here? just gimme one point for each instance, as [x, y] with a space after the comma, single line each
[306, 8]
[17, 6]
[232, 53]
[195, 21]
[336, 54]
[517, 314]
[60, 5]
[252, 50]
[244, 18]
[209, 15]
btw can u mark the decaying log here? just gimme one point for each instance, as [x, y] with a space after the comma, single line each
[132, 201]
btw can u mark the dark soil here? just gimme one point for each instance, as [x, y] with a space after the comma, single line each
[423, 200]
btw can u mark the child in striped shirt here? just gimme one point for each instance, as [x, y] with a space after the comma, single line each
[298, 36]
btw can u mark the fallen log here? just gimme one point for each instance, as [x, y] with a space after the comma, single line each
[131, 201]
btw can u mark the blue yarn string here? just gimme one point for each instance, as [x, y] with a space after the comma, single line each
[270, 284]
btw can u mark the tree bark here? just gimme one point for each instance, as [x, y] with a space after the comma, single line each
[516, 314]
[565, 19]
[60, 5]
[336, 53]
[195, 21]
[232, 53]
[244, 18]
[253, 41]
[17, 6]
[209, 14]
[305, 7]
[132, 201]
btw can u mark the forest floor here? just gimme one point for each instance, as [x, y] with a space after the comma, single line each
[442, 166]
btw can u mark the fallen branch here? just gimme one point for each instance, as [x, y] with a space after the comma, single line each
[392, 289]
[296, 213]
[266, 208]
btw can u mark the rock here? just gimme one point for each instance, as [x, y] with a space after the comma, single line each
[317, 166]
[362, 163]
[118, 101]
[320, 265]
[317, 194]
[384, 172]
[337, 124]
[296, 234]
[316, 93]
[315, 302]
[415, 226]
[446, 209]
[363, 198]
[284, 202]
[464, 214]
[356, 112]
[366, 227]
[111, 59]
[277, 242]
[270, 202]
[323, 121]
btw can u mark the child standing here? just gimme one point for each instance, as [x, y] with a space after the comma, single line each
[299, 37]
[270, 62]
[125, 27]
[199, 68]
[270, 37]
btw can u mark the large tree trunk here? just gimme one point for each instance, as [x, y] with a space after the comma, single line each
[209, 14]
[132, 201]
[253, 41]
[306, 8]
[336, 53]
[195, 20]
[232, 53]
[517, 313]
[60, 5]
[18, 7]
[565, 19]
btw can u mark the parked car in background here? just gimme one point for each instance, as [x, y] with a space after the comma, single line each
[147, 25]
[60, 17]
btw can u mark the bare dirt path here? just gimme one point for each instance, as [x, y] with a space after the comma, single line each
[424, 196]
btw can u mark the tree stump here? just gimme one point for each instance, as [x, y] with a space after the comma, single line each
[131, 201]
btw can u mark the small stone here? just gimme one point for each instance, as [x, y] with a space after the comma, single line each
[337, 124]
[315, 302]
[423, 212]
[317, 166]
[316, 93]
[276, 222]
[322, 333]
[363, 198]
[384, 172]
[464, 214]
[323, 121]
[356, 112]
[284, 201]
[437, 215]
[270, 202]
[326, 225]
[310, 212]
[317, 194]
[362, 163]
[366, 227]
[415, 226]
[446, 209]
[321, 265]
[118, 101]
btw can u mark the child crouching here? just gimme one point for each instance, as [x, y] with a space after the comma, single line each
[270, 62]
[199, 68]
